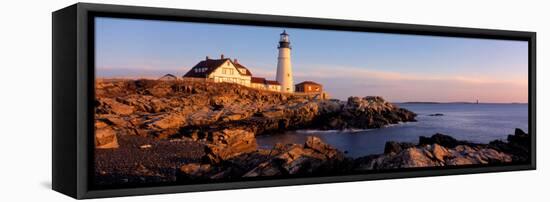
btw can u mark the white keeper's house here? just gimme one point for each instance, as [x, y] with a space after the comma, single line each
[230, 71]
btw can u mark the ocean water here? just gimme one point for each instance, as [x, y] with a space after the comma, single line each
[480, 123]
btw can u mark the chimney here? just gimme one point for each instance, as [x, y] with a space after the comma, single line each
[235, 60]
[207, 58]
[221, 56]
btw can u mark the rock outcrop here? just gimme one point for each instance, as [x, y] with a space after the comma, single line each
[313, 157]
[518, 145]
[184, 131]
[443, 150]
[433, 155]
[225, 144]
[166, 109]
[366, 112]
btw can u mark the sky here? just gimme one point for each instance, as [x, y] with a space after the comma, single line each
[398, 67]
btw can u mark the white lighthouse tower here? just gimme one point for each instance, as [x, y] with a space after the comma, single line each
[284, 67]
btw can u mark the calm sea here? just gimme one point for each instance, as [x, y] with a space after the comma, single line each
[480, 123]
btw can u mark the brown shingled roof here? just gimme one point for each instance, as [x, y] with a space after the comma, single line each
[238, 65]
[211, 65]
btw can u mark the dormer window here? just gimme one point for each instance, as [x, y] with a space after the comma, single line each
[200, 69]
[242, 70]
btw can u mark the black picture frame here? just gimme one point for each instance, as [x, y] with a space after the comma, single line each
[73, 93]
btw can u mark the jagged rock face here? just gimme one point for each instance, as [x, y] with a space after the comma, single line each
[313, 157]
[115, 107]
[218, 122]
[519, 145]
[443, 150]
[166, 109]
[226, 144]
[436, 155]
[367, 112]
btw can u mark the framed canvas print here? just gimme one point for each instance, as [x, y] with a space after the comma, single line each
[155, 100]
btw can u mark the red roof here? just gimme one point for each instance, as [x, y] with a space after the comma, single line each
[211, 65]
[272, 82]
[257, 80]
[263, 81]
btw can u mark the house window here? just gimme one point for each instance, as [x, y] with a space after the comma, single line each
[231, 71]
[224, 71]
[309, 88]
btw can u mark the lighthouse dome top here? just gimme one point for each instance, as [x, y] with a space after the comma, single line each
[284, 37]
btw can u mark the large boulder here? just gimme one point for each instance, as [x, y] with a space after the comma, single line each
[437, 150]
[114, 120]
[111, 106]
[518, 144]
[313, 157]
[315, 143]
[169, 121]
[105, 137]
[440, 139]
[229, 143]
[194, 171]
[396, 147]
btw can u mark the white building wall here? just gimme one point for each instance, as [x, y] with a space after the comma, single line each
[227, 72]
[274, 87]
[284, 71]
[263, 86]
[258, 86]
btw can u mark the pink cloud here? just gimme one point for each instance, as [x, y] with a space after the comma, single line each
[396, 86]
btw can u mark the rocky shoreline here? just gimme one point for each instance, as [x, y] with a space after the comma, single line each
[172, 109]
[150, 132]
